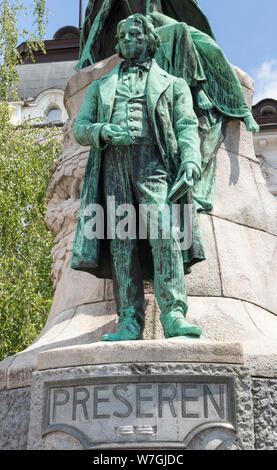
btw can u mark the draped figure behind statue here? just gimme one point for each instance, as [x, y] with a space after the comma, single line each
[188, 50]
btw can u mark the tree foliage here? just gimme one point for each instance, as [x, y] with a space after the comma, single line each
[9, 37]
[26, 156]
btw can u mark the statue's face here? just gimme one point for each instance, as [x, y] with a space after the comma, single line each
[132, 40]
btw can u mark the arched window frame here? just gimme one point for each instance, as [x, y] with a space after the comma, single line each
[53, 107]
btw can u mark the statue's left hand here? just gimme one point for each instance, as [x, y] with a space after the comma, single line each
[188, 175]
[192, 171]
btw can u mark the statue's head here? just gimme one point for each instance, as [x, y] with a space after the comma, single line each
[136, 38]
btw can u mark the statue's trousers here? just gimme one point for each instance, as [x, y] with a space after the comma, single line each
[135, 175]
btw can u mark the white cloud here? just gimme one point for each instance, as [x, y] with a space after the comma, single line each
[265, 81]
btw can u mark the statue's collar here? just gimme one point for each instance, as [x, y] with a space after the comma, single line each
[143, 65]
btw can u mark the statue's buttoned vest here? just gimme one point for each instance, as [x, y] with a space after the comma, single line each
[130, 106]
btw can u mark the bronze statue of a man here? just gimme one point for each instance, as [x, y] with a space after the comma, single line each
[143, 131]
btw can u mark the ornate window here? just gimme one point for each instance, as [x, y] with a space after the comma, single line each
[54, 114]
[268, 110]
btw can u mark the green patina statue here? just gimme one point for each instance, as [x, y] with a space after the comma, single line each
[155, 126]
[144, 135]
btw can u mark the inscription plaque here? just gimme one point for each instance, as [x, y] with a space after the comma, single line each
[153, 410]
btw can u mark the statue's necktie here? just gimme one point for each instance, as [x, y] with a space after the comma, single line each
[134, 76]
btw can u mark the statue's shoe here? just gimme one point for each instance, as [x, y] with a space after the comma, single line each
[174, 324]
[129, 330]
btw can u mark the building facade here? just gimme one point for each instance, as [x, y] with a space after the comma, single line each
[42, 83]
[265, 142]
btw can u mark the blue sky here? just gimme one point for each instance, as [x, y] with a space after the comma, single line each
[245, 30]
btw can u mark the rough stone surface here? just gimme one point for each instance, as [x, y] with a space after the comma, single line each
[244, 413]
[265, 413]
[4, 366]
[153, 327]
[205, 277]
[245, 257]
[109, 295]
[268, 200]
[14, 413]
[265, 323]
[239, 141]
[241, 195]
[76, 288]
[14, 418]
[151, 317]
[230, 320]
[246, 81]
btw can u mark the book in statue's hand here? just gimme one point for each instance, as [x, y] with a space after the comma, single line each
[180, 188]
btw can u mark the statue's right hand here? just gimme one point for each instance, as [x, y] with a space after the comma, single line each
[114, 135]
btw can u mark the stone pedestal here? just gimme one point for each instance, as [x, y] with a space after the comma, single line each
[232, 295]
[143, 395]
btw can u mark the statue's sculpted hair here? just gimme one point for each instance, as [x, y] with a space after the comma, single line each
[153, 38]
